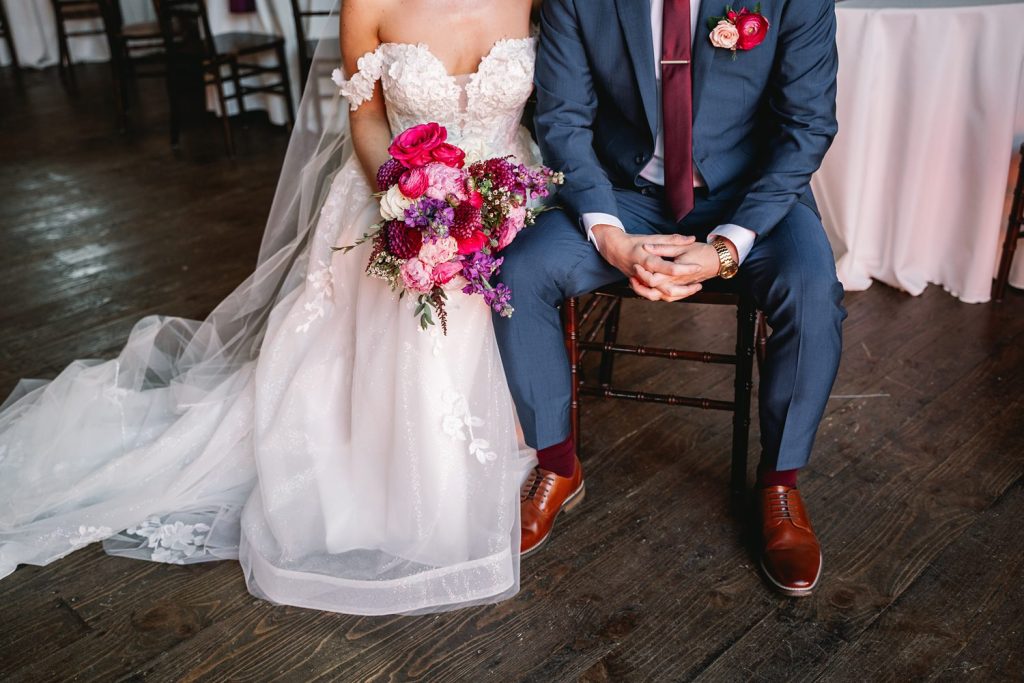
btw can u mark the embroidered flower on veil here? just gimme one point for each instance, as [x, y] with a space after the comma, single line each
[172, 543]
[458, 423]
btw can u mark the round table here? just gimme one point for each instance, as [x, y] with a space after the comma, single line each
[916, 186]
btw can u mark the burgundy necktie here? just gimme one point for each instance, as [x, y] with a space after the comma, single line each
[677, 106]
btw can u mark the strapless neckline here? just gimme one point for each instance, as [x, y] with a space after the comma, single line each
[483, 60]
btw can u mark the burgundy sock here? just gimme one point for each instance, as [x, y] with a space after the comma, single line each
[767, 476]
[560, 458]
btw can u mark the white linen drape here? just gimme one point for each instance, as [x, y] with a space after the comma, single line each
[931, 96]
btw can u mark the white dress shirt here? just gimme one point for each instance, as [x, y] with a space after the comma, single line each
[654, 171]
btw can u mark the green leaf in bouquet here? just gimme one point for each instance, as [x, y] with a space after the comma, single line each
[365, 238]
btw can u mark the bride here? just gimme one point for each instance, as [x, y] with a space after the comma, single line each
[349, 460]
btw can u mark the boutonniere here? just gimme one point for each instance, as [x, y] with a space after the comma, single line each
[743, 30]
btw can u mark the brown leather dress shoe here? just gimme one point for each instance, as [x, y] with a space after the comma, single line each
[544, 494]
[791, 555]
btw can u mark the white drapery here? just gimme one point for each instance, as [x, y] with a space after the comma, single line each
[931, 110]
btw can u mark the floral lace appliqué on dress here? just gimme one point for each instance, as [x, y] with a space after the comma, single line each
[480, 110]
[172, 543]
[458, 424]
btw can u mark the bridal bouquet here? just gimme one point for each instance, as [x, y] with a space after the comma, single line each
[443, 223]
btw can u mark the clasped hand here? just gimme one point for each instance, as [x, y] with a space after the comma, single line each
[660, 267]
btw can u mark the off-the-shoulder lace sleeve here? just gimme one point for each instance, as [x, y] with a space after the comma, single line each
[359, 88]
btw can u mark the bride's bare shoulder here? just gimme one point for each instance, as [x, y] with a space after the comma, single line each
[361, 24]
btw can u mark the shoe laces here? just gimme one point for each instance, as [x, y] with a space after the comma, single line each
[780, 505]
[536, 485]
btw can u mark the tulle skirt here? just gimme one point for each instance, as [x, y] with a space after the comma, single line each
[355, 464]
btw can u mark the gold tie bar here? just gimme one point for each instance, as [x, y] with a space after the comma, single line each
[675, 61]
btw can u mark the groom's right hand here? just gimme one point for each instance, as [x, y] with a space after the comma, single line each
[627, 253]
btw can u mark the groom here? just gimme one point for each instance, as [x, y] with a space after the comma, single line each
[687, 153]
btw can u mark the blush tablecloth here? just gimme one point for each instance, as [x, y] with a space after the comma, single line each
[916, 186]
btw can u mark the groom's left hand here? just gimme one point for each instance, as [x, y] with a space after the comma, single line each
[700, 255]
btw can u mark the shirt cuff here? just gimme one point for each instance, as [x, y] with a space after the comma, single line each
[742, 238]
[589, 220]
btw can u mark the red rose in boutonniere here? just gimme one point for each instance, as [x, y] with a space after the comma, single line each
[743, 30]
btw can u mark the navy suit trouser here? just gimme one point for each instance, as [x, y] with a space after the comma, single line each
[790, 272]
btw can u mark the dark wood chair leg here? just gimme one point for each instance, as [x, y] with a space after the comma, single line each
[745, 323]
[229, 140]
[611, 333]
[64, 59]
[5, 24]
[239, 96]
[569, 320]
[1013, 233]
[286, 84]
[170, 80]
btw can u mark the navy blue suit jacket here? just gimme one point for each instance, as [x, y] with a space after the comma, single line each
[761, 123]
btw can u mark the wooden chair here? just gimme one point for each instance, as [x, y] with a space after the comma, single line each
[191, 46]
[1014, 231]
[65, 11]
[602, 312]
[302, 12]
[137, 51]
[8, 37]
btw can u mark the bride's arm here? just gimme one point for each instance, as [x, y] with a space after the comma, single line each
[360, 24]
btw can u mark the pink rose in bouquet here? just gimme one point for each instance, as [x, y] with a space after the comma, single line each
[476, 241]
[510, 227]
[414, 146]
[445, 272]
[414, 182]
[449, 155]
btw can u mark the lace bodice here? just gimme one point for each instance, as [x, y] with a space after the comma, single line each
[481, 111]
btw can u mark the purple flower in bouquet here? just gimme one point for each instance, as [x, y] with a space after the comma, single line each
[433, 216]
[389, 173]
[500, 300]
[478, 268]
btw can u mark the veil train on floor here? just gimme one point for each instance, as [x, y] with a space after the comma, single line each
[151, 452]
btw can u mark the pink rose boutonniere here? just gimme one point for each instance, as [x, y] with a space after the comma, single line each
[743, 30]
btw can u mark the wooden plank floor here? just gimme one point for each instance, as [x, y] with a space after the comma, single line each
[916, 487]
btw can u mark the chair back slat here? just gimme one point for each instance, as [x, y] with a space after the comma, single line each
[303, 10]
[186, 28]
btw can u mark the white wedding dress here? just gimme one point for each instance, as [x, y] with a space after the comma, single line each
[355, 463]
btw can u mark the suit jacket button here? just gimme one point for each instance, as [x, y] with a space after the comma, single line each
[639, 158]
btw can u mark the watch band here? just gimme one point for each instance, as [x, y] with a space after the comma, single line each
[728, 267]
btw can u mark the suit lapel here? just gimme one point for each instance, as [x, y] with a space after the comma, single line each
[635, 17]
[703, 50]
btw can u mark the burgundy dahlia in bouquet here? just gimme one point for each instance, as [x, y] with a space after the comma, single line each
[443, 224]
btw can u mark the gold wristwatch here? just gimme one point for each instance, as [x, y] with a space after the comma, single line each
[729, 267]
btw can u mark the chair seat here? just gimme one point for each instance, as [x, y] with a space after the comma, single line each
[142, 31]
[80, 10]
[239, 43]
